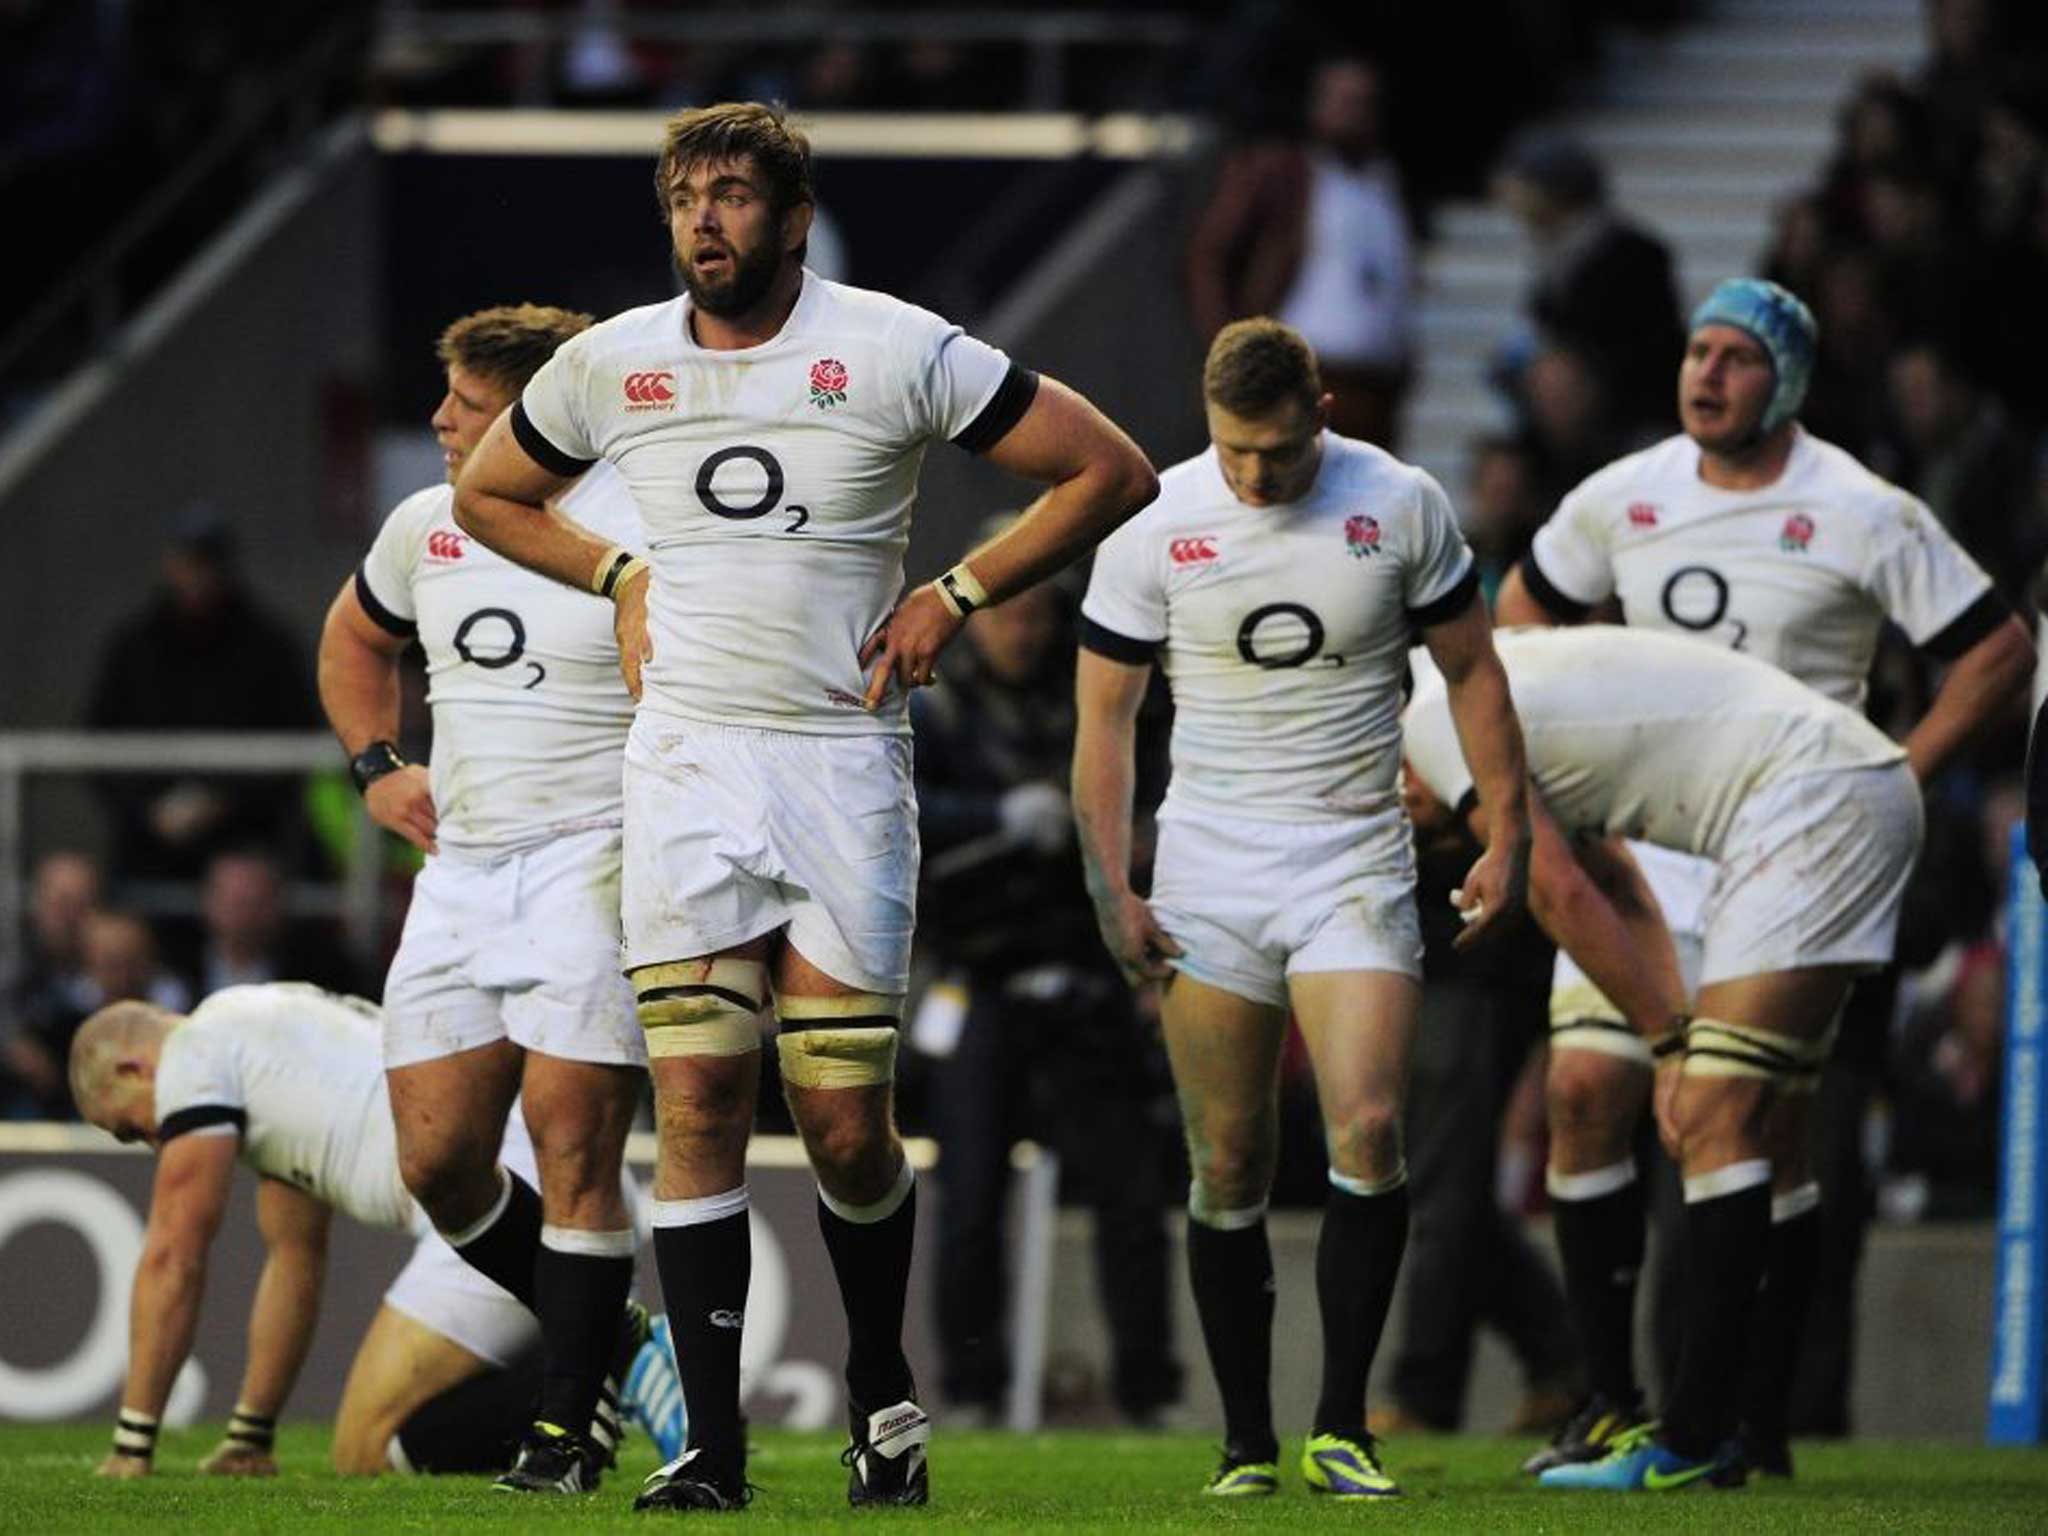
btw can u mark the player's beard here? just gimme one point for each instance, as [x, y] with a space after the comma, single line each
[752, 275]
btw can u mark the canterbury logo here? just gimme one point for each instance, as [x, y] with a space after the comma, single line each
[444, 544]
[725, 1317]
[1192, 551]
[654, 390]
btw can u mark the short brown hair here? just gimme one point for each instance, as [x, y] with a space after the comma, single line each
[732, 130]
[1256, 364]
[508, 344]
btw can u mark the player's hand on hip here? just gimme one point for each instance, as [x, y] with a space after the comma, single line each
[629, 627]
[1496, 888]
[1140, 947]
[119, 1465]
[402, 801]
[230, 1459]
[907, 645]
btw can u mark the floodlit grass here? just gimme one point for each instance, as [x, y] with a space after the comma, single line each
[993, 1482]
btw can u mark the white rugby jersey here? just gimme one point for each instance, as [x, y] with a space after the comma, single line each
[776, 483]
[1802, 573]
[298, 1073]
[530, 712]
[1651, 736]
[1283, 630]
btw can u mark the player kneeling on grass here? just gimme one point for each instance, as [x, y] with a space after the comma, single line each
[1813, 820]
[289, 1080]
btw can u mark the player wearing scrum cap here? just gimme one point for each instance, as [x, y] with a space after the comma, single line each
[1276, 583]
[1745, 531]
[771, 426]
[506, 983]
[288, 1080]
[1812, 819]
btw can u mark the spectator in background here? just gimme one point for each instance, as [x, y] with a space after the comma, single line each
[1504, 507]
[1030, 1031]
[201, 655]
[1312, 231]
[1603, 289]
[117, 960]
[1962, 457]
[52, 981]
[249, 938]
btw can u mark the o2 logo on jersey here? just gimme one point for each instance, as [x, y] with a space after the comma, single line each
[745, 482]
[1796, 534]
[495, 638]
[652, 389]
[1362, 536]
[1695, 597]
[828, 383]
[1282, 635]
[1195, 551]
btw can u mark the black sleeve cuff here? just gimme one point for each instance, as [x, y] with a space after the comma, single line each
[381, 616]
[1969, 626]
[197, 1118]
[1468, 802]
[1005, 408]
[1451, 604]
[1107, 642]
[1553, 602]
[539, 449]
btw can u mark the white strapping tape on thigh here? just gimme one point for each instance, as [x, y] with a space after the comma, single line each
[838, 1058]
[1717, 1049]
[701, 1007]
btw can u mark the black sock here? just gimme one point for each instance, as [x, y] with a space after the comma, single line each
[1725, 1239]
[580, 1298]
[1601, 1244]
[1358, 1257]
[1791, 1261]
[706, 1256]
[1232, 1275]
[475, 1425]
[508, 1247]
[872, 1260]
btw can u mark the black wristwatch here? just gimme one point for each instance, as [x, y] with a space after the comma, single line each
[372, 763]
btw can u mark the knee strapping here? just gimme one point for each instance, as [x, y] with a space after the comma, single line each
[1789, 1063]
[1602, 1036]
[701, 1007]
[848, 1041]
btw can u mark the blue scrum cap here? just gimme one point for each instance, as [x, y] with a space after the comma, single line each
[1782, 326]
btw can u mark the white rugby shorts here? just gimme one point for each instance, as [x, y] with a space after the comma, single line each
[1814, 872]
[1253, 902]
[732, 833]
[523, 947]
[1581, 1017]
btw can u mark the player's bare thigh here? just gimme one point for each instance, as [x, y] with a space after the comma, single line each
[400, 1365]
[1359, 1027]
[450, 1116]
[1225, 1053]
[848, 1132]
[578, 1114]
[704, 1105]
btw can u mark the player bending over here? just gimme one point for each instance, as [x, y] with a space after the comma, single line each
[288, 1079]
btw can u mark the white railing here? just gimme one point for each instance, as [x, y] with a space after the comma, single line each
[87, 754]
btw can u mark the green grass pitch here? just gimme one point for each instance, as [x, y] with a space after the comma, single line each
[991, 1482]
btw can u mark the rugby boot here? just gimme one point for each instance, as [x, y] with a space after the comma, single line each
[1640, 1463]
[1346, 1468]
[653, 1393]
[1240, 1478]
[886, 1460]
[551, 1459]
[690, 1482]
[1588, 1434]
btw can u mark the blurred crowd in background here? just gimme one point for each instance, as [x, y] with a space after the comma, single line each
[1922, 250]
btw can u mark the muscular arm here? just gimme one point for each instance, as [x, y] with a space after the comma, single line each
[193, 1176]
[294, 1227]
[1515, 605]
[1107, 696]
[1490, 737]
[1096, 479]
[505, 499]
[359, 691]
[1984, 681]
